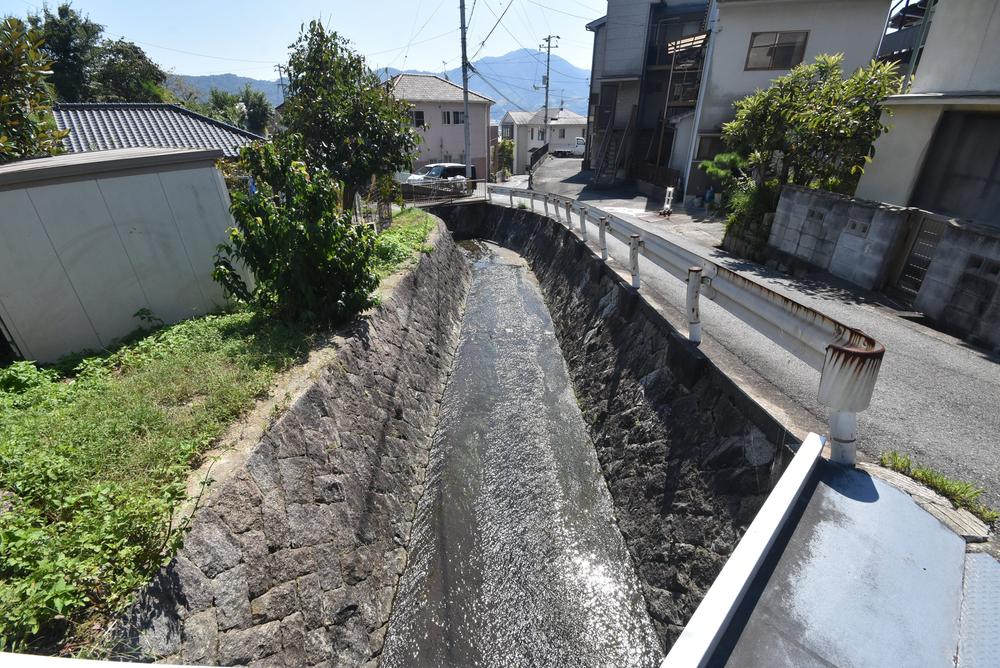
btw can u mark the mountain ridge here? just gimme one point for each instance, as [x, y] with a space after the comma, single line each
[509, 79]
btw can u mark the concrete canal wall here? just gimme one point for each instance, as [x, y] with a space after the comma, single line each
[688, 457]
[294, 560]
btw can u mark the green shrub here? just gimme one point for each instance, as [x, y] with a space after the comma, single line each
[93, 464]
[311, 264]
[746, 206]
[398, 244]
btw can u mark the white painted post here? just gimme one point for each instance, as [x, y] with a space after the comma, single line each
[545, 202]
[846, 385]
[532, 198]
[693, 292]
[489, 194]
[555, 207]
[569, 214]
[633, 259]
[583, 223]
[602, 236]
[512, 198]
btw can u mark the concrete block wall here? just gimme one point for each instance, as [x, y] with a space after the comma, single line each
[967, 260]
[853, 239]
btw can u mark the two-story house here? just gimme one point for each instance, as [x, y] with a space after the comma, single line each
[438, 113]
[527, 131]
[665, 74]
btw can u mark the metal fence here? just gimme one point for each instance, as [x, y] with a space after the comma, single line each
[440, 192]
[848, 359]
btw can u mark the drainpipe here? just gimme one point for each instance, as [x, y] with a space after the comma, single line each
[713, 18]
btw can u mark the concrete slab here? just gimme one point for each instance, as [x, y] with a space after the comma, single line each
[867, 578]
[979, 641]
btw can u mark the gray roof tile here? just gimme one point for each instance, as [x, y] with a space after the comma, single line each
[430, 88]
[97, 126]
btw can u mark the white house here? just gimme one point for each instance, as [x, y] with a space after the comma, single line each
[438, 114]
[707, 55]
[527, 130]
[943, 150]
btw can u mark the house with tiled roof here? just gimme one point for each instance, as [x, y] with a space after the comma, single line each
[437, 113]
[527, 130]
[103, 126]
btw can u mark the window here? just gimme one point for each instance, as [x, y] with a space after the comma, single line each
[562, 133]
[506, 131]
[541, 135]
[708, 147]
[776, 50]
[458, 117]
[445, 118]
[418, 118]
[532, 133]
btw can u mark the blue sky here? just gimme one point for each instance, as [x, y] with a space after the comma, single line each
[249, 37]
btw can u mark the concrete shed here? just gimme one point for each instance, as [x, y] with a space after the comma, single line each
[89, 239]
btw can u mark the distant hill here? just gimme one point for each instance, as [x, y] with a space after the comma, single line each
[512, 77]
[229, 83]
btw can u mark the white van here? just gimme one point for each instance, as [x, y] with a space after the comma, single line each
[568, 148]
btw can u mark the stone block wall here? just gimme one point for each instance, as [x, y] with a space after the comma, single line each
[294, 560]
[688, 457]
[853, 239]
[961, 289]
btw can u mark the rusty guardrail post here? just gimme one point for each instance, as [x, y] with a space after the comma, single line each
[633, 258]
[846, 384]
[583, 223]
[602, 236]
[693, 312]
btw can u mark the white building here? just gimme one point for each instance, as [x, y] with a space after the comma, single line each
[438, 114]
[527, 130]
[709, 54]
[943, 150]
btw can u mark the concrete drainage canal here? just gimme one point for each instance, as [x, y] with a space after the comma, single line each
[516, 559]
[513, 461]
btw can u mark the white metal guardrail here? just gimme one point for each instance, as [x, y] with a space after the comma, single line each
[848, 359]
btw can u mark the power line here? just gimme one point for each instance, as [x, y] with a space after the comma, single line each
[499, 19]
[559, 11]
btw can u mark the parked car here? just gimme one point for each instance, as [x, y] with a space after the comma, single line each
[437, 179]
[576, 150]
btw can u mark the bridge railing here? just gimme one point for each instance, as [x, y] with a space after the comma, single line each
[848, 359]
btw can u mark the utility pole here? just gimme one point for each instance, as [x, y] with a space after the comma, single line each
[465, 96]
[548, 58]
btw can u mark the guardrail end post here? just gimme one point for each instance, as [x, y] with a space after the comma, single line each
[846, 384]
[633, 259]
[602, 236]
[693, 312]
[844, 437]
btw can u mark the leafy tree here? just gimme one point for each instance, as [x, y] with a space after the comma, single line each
[813, 126]
[71, 43]
[350, 123]
[505, 154]
[26, 125]
[249, 109]
[124, 73]
[310, 262]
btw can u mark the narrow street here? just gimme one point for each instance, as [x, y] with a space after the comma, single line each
[937, 397]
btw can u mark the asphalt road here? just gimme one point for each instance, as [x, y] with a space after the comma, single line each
[937, 398]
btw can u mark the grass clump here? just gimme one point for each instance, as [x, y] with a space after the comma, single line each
[961, 494]
[94, 459]
[399, 244]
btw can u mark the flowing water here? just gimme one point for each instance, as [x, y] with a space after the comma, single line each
[515, 559]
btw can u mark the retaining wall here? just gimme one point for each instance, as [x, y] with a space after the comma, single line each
[688, 457]
[295, 559]
[853, 239]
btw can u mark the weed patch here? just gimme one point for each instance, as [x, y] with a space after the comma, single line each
[961, 494]
[396, 246]
[94, 460]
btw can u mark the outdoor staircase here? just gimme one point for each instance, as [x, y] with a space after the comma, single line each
[612, 154]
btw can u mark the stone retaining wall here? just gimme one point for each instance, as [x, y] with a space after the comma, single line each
[688, 457]
[295, 559]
